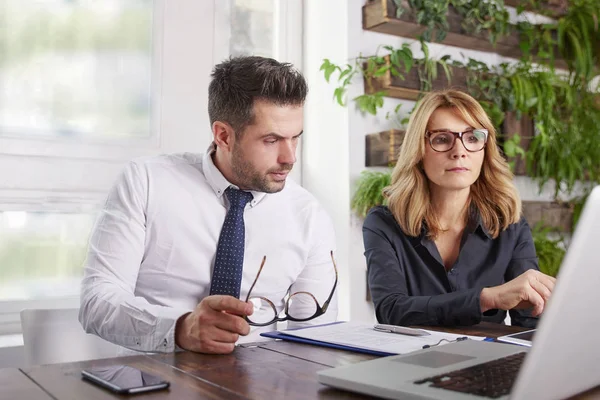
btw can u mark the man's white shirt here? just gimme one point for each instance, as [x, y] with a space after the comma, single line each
[152, 252]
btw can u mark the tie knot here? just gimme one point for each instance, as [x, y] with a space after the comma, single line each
[238, 198]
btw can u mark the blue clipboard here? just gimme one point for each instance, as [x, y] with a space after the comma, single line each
[283, 336]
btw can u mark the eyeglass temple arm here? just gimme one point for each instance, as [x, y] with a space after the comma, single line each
[262, 264]
[326, 304]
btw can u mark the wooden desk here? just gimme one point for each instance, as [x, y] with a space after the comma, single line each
[272, 370]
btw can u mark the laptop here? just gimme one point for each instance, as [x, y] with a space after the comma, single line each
[563, 360]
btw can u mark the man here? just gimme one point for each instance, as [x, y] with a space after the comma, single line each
[181, 238]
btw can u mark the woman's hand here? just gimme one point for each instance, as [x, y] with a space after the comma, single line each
[531, 289]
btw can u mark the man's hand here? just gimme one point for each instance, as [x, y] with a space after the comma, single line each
[531, 289]
[214, 326]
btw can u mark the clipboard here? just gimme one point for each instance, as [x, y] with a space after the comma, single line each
[283, 336]
[363, 338]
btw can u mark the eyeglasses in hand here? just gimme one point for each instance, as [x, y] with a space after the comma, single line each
[306, 306]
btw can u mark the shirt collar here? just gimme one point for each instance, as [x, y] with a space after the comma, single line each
[218, 182]
[475, 224]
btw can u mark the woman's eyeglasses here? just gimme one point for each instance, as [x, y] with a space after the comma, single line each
[442, 140]
[305, 305]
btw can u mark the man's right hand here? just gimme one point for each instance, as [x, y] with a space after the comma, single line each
[214, 326]
[531, 289]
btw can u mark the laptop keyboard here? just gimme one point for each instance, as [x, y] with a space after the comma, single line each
[491, 379]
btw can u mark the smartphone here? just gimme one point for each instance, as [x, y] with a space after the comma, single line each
[124, 379]
[522, 338]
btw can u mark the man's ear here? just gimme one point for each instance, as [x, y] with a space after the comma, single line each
[223, 135]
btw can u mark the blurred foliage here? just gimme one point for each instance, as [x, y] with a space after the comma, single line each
[550, 251]
[369, 191]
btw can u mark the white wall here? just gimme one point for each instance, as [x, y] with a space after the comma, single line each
[325, 163]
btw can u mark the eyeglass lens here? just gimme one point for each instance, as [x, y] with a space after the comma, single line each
[444, 141]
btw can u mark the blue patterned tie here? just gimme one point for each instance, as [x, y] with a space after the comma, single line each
[229, 263]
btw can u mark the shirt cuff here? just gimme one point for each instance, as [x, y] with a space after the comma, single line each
[463, 308]
[491, 312]
[164, 335]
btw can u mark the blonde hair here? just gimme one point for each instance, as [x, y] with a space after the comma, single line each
[493, 194]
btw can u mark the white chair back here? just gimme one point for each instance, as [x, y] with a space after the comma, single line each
[55, 335]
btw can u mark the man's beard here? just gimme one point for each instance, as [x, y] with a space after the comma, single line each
[251, 179]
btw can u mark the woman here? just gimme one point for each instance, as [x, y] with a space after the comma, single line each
[451, 247]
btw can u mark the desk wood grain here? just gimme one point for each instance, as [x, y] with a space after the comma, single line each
[16, 385]
[487, 329]
[258, 373]
[321, 355]
[64, 382]
[272, 370]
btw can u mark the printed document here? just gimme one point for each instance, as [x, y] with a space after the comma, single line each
[362, 335]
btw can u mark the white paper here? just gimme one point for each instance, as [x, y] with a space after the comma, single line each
[361, 335]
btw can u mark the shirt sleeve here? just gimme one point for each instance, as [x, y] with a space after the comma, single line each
[318, 276]
[390, 294]
[523, 258]
[109, 306]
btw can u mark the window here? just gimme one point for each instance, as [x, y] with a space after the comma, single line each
[77, 99]
[252, 26]
[75, 69]
[49, 248]
[86, 86]
[269, 28]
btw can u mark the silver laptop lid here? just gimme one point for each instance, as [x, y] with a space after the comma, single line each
[564, 358]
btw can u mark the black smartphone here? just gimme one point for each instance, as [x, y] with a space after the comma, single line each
[124, 379]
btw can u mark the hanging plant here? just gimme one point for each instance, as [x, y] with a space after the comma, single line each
[484, 16]
[430, 13]
[400, 63]
[369, 191]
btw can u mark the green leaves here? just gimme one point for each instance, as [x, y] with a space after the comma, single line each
[369, 191]
[344, 79]
[398, 62]
[370, 102]
[338, 94]
[512, 146]
[404, 55]
[432, 14]
[328, 68]
[483, 15]
[550, 251]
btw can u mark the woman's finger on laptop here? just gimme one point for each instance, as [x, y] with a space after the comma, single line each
[541, 288]
[546, 280]
[536, 300]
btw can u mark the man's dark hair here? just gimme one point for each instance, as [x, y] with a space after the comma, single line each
[238, 81]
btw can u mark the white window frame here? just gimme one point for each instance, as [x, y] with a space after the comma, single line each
[179, 89]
